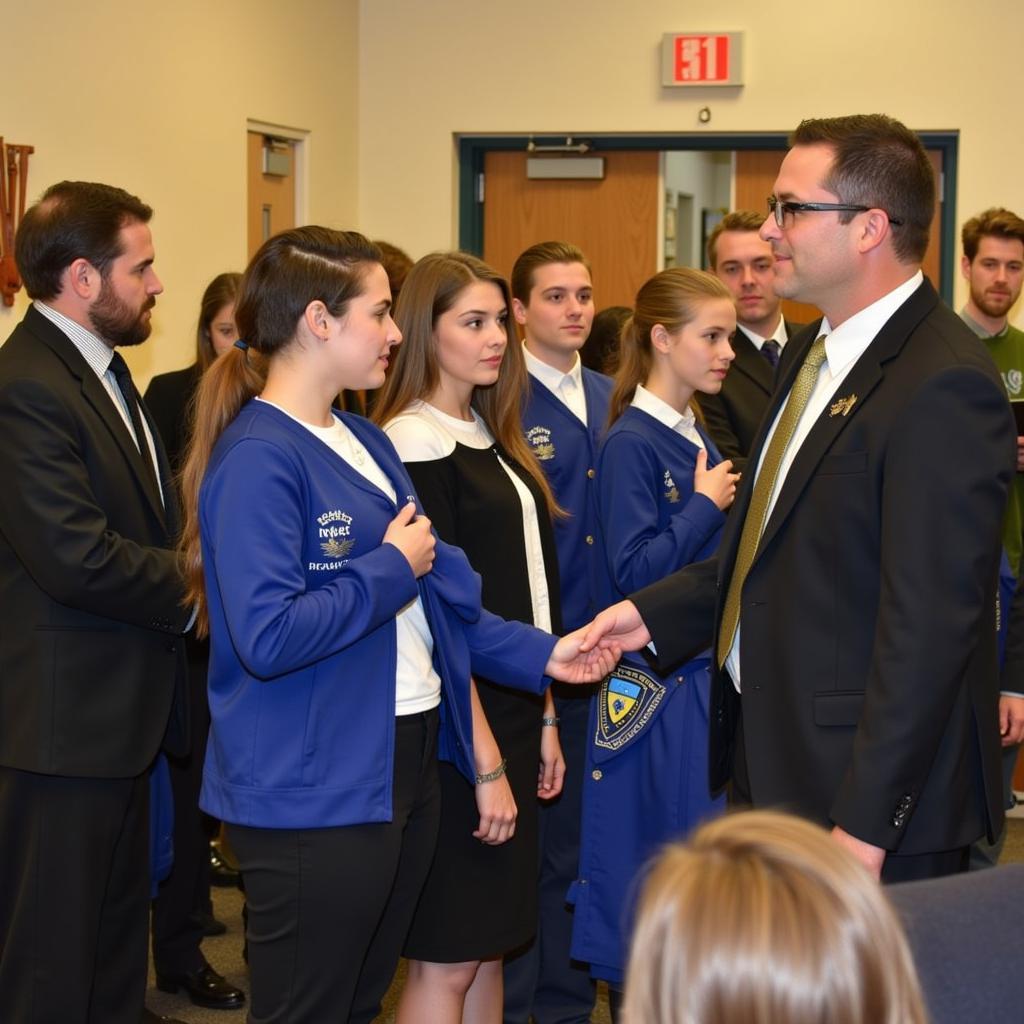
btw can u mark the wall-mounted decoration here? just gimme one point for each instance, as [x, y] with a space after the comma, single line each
[13, 183]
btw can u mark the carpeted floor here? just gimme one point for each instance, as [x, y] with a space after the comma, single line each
[225, 953]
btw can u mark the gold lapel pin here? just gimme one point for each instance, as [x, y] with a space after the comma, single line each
[842, 406]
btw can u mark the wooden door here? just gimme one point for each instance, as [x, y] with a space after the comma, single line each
[614, 221]
[271, 197]
[756, 171]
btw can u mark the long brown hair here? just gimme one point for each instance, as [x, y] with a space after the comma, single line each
[288, 272]
[763, 917]
[670, 298]
[431, 289]
[223, 289]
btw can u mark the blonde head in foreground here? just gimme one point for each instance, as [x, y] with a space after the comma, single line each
[762, 919]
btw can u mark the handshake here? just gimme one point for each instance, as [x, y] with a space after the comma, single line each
[591, 652]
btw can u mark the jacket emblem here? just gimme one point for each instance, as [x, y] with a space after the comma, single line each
[671, 491]
[539, 439]
[625, 704]
[334, 529]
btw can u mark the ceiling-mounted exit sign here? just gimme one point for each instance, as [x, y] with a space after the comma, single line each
[702, 58]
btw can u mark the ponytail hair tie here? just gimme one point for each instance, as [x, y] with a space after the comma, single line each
[242, 344]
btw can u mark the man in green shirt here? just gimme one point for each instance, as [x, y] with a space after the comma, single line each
[993, 266]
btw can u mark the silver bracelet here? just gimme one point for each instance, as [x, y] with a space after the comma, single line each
[492, 775]
[550, 720]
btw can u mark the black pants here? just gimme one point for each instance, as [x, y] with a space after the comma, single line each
[329, 908]
[74, 898]
[177, 932]
[543, 981]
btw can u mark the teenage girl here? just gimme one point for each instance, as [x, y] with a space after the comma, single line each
[342, 634]
[451, 407]
[663, 493]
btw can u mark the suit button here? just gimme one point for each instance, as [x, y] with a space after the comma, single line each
[172, 647]
[590, 539]
[591, 474]
[596, 775]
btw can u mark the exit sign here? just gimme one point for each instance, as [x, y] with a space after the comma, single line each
[702, 58]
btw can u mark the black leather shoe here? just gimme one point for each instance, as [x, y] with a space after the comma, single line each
[222, 874]
[205, 987]
[149, 1017]
[210, 925]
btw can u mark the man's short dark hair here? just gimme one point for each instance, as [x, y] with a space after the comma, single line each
[995, 222]
[737, 220]
[73, 220]
[879, 163]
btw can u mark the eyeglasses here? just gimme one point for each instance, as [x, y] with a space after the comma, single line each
[781, 207]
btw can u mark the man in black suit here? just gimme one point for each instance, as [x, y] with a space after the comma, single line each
[90, 596]
[852, 602]
[744, 263]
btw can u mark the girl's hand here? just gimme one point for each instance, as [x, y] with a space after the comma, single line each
[498, 812]
[718, 484]
[552, 764]
[412, 536]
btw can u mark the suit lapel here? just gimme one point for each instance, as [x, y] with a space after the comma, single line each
[750, 362]
[862, 379]
[96, 396]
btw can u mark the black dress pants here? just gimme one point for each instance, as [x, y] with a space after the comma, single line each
[177, 932]
[74, 898]
[329, 908]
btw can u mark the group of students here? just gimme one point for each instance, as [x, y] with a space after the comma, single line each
[384, 600]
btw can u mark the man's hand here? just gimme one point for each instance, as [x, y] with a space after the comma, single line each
[1011, 719]
[872, 857]
[569, 663]
[618, 627]
[1020, 454]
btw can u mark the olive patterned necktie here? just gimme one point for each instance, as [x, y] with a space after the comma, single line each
[757, 511]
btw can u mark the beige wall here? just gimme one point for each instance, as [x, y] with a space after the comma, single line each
[431, 70]
[155, 98]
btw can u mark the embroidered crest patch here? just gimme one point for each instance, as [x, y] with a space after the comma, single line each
[671, 491]
[539, 438]
[625, 704]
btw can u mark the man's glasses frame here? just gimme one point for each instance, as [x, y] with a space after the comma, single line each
[780, 207]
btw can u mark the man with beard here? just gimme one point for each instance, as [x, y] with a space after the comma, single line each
[993, 266]
[90, 650]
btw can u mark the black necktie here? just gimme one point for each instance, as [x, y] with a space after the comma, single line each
[123, 376]
[770, 350]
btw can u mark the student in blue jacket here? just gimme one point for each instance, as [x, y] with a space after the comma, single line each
[565, 414]
[663, 492]
[342, 633]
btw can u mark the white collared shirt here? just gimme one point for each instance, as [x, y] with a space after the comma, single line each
[843, 347]
[98, 354]
[682, 423]
[779, 335]
[566, 387]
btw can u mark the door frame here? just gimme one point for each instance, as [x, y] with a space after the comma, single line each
[472, 149]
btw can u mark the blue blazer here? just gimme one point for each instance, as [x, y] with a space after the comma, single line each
[567, 452]
[654, 521]
[646, 780]
[302, 599]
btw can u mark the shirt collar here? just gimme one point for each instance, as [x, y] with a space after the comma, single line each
[550, 377]
[94, 350]
[847, 342]
[979, 330]
[779, 334]
[651, 404]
